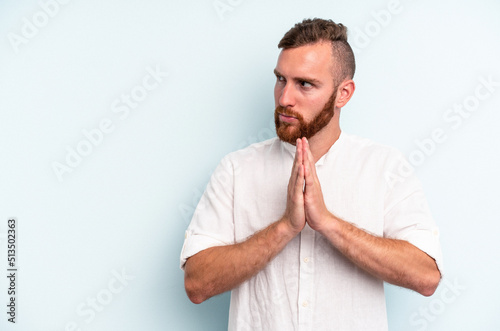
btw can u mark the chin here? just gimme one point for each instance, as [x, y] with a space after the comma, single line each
[288, 134]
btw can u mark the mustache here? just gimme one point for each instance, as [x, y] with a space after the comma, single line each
[288, 112]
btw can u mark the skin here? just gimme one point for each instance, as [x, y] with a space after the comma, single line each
[304, 86]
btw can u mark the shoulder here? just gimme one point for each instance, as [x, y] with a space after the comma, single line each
[368, 151]
[255, 151]
[250, 160]
[369, 146]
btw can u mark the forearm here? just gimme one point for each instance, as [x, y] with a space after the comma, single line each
[395, 261]
[221, 268]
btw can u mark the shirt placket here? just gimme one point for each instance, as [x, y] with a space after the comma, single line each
[306, 279]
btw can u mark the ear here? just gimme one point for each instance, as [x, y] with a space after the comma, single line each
[344, 93]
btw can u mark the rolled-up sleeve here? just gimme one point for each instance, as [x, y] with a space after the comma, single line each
[407, 214]
[213, 222]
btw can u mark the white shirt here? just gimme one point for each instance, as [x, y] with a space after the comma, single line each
[310, 285]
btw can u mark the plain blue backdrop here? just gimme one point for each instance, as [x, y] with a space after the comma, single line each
[114, 114]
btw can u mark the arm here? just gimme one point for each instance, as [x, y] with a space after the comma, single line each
[395, 261]
[221, 268]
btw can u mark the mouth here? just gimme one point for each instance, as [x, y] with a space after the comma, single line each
[287, 118]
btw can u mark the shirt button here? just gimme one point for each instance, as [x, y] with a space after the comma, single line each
[305, 304]
[306, 259]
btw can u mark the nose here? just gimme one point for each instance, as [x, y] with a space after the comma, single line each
[286, 96]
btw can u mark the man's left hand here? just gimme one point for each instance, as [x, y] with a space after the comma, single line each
[317, 215]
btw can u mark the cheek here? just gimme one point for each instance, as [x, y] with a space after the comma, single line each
[315, 106]
[322, 101]
[277, 94]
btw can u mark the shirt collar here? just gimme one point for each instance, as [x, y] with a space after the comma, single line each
[291, 148]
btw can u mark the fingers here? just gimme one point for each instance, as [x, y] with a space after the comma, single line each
[299, 184]
[309, 186]
[299, 167]
[294, 212]
[296, 182]
[298, 160]
[295, 169]
[299, 154]
[308, 157]
[309, 165]
[298, 157]
[314, 205]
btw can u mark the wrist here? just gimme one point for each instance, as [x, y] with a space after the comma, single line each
[328, 225]
[286, 229]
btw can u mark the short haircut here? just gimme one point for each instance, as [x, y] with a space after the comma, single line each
[311, 31]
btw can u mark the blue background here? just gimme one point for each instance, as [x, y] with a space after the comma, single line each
[124, 206]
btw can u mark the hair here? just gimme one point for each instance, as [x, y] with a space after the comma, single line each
[311, 31]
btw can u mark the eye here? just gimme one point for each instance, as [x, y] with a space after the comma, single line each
[280, 78]
[303, 83]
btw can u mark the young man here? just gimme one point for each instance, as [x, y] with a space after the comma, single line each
[310, 250]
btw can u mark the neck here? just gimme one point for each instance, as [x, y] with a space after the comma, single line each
[321, 142]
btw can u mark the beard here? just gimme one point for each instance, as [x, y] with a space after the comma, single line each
[290, 133]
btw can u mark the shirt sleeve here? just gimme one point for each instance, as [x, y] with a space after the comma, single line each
[213, 222]
[407, 214]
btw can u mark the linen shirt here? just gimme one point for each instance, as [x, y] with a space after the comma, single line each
[310, 285]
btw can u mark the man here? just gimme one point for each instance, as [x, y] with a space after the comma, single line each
[311, 250]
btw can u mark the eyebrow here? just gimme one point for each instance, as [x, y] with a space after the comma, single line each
[301, 79]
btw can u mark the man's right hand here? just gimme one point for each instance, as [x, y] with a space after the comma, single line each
[294, 214]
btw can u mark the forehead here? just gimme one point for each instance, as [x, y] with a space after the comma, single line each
[314, 60]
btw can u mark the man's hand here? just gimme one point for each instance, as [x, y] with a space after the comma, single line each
[294, 214]
[305, 199]
[395, 261]
[315, 209]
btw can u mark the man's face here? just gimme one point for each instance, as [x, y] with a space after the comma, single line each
[305, 92]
